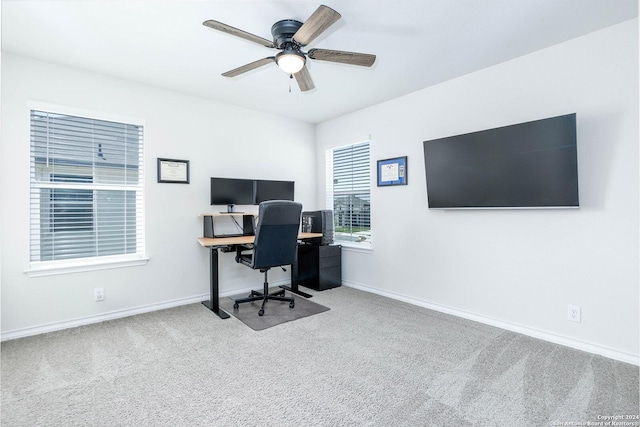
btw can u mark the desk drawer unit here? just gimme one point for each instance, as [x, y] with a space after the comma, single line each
[320, 267]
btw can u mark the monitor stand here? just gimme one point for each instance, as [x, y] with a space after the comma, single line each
[230, 210]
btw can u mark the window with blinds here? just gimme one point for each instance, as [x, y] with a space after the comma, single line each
[348, 192]
[86, 188]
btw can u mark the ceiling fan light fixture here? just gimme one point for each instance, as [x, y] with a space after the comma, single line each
[289, 37]
[290, 62]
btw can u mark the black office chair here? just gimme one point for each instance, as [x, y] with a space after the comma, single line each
[275, 245]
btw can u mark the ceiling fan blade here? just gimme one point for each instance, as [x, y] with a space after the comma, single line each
[353, 58]
[238, 33]
[304, 79]
[317, 23]
[250, 66]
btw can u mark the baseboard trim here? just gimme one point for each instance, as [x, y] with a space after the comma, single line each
[117, 314]
[525, 330]
[87, 320]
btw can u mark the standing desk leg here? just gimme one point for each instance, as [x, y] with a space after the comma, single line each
[213, 303]
[294, 283]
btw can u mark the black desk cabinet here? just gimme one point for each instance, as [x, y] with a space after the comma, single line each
[320, 267]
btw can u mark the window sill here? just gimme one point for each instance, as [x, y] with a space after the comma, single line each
[354, 247]
[39, 269]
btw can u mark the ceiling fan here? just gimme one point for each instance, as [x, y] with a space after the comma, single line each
[290, 36]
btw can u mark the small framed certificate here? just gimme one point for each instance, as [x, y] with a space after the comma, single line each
[173, 171]
[392, 171]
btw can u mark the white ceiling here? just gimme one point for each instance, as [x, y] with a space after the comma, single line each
[418, 43]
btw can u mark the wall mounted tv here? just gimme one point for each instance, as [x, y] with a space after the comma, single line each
[273, 190]
[526, 165]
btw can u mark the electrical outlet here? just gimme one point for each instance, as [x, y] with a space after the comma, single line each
[98, 294]
[573, 313]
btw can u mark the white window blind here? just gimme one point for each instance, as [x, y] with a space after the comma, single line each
[86, 188]
[348, 192]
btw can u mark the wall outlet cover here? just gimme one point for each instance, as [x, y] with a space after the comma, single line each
[574, 313]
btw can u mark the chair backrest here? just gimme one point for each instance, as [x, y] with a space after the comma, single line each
[276, 238]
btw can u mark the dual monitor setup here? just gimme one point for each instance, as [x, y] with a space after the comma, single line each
[235, 191]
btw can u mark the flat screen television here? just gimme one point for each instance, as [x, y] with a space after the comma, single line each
[231, 191]
[526, 165]
[273, 190]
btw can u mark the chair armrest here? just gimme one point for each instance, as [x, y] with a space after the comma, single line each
[244, 258]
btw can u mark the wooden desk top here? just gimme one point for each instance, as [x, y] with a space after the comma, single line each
[243, 240]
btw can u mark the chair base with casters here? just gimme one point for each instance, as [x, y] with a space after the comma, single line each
[264, 296]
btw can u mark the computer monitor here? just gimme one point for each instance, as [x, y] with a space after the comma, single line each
[272, 190]
[231, 191]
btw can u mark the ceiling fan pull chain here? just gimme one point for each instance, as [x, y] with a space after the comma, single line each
[290, 78]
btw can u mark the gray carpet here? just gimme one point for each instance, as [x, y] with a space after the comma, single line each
[275, 312]
[369, 361]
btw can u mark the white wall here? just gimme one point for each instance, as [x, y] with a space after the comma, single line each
[219, 140]
[517, 269]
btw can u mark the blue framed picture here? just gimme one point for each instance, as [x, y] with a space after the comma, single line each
[392, 171]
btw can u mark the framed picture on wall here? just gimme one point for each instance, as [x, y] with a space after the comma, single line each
[392, 171]
[173, 171]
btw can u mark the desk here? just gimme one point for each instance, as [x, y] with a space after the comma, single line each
[215, 243]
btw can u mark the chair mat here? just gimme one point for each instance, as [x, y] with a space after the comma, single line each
[275, 312]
